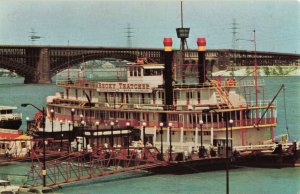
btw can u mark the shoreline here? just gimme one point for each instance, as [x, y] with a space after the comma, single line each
[267, 71]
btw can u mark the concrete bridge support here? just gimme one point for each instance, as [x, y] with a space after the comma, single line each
[39, 59]
[43, 67]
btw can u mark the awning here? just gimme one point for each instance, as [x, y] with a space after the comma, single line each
[106, 133]
[221, 138]
[154, 67]
[24, 137]
[8, 136]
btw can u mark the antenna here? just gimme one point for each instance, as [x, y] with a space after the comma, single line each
[234, 29]
[68, 60]
[129, 35]
[182, 33]
[234, 32]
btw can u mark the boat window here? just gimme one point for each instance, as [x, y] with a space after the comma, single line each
[206, 132]
[176, 94]
[135, 72]
[6, 111]
[5, 184]
[121, 115]
[152, 72]
[136, 116]
[199, 96]
[127, 98]
[189, 95]
[67, 93]
[131, 71]
[127, 115]
[173, 117]
[143, 98]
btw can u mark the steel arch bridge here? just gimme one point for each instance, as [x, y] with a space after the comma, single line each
[37, 64]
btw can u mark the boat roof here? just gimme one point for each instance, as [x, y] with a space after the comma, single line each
[153, 66]
[8, 108]
[147, 65]
[4, 181]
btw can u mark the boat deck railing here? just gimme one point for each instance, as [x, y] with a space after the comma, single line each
[13, 116]
[261, 147]
[225, 83]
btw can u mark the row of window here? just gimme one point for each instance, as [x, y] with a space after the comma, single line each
[137, 72]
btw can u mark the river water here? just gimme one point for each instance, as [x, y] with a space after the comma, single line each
[242, 180]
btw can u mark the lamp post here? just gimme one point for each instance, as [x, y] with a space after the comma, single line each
[201, 139]
[69, 136]
[112, 134]
[225, 117]
[27, 122]
[72, 117]
[61, 135]
[170, 134]
[52, 117]
[121, 136]
[231, 123]
[128, 141]
[97, 129]
[144, 135]
[161, 140]
[227, 167]
[44, 172]
[82, 127]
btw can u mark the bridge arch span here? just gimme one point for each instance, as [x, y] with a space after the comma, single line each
[90, 57]
[26, 71]
[38, 63]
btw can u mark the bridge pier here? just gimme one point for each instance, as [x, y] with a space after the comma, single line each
[43, 67]
[37, 69]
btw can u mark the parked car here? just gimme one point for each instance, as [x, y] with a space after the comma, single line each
[37, 190]
[7, 188]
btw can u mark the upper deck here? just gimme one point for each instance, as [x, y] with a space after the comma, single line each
[7, 108]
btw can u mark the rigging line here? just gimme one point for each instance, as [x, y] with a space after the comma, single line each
[270, 104]
[285, 115]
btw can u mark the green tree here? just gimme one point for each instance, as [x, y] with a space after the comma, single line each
[280, 70]
[266, 70]
[248, 71]
[274, 72]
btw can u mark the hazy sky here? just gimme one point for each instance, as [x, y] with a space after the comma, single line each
[103, 23]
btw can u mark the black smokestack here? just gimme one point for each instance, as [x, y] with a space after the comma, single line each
[201, 42]
[168, 71]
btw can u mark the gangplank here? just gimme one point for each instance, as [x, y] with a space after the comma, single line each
[100, 162]
[19, 150]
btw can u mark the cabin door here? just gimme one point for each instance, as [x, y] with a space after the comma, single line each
[181, 120]
[149, 138]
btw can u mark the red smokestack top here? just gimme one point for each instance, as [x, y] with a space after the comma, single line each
[201, 42]
[168, 44]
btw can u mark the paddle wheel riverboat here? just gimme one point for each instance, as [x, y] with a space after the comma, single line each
[153, 106]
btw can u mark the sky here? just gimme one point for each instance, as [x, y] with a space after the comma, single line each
[104, 23]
